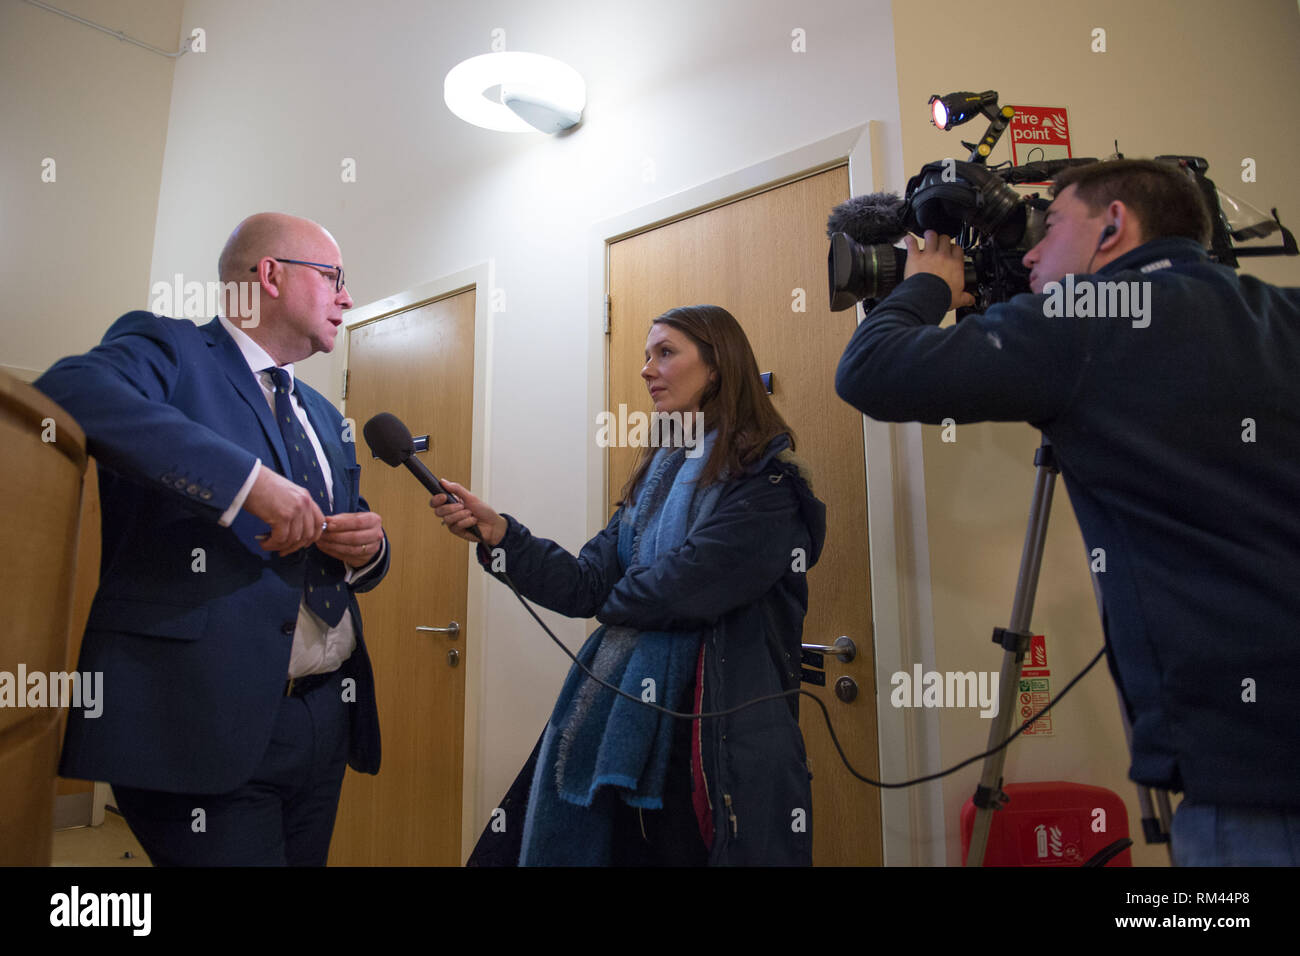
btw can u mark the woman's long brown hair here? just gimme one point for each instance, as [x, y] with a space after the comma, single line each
[736, 404]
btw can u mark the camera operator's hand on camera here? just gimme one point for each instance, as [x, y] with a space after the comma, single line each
[941, 257]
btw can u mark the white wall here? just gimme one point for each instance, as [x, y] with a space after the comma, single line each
[75, 252]
[286, 91]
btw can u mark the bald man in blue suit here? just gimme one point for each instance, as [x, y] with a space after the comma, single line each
[237, 687]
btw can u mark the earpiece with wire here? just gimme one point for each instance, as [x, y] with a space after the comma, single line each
[1106, 233]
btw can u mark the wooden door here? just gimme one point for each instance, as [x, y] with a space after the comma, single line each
[418, 365]
[762, 258]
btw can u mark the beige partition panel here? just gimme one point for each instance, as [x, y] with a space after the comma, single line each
[40, 502]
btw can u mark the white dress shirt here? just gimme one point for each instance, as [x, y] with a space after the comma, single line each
[317, 647]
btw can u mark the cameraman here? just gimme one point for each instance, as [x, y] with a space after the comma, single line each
[1177, 431]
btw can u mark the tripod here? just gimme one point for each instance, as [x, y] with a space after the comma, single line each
[1014, 640]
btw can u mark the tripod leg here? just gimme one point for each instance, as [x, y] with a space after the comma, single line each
[988, 795]
[1015, 641]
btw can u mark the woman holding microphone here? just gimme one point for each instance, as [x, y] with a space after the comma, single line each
[699, 582]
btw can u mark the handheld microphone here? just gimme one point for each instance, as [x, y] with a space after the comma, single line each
[390, 441]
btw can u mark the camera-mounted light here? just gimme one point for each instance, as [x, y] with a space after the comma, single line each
[957, 108]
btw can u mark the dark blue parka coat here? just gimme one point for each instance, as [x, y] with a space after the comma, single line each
[739, 579]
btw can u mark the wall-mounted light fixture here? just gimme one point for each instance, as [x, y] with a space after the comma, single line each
[516, 92]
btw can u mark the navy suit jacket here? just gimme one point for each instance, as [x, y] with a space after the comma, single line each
[193, 622]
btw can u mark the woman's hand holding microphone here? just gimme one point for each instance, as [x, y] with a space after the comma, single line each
[460, 516]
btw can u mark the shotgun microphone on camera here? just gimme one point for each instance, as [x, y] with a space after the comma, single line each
[870, 219]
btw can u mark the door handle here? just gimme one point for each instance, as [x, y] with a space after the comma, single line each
[453, 630]
[843, 648]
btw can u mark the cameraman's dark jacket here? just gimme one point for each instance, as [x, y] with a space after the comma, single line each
[1179, 443]
[740, 580]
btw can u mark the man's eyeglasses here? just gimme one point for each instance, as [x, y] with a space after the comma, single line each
[318, 266]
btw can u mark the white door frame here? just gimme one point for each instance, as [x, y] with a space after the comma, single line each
[912, 821]
[479, 278]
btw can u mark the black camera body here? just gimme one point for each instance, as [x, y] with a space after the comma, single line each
[993, 223]
[970, 202]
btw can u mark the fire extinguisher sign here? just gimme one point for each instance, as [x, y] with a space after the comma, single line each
[1035, 690]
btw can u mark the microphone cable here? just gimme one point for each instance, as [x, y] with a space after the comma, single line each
[390, 440]
[502, 575]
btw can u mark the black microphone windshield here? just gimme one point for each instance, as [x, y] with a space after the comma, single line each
[870, 219]
[389, 440]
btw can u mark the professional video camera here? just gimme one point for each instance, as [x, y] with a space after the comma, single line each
[993, 223]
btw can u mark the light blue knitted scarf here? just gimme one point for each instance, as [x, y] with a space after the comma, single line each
[599, 747]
